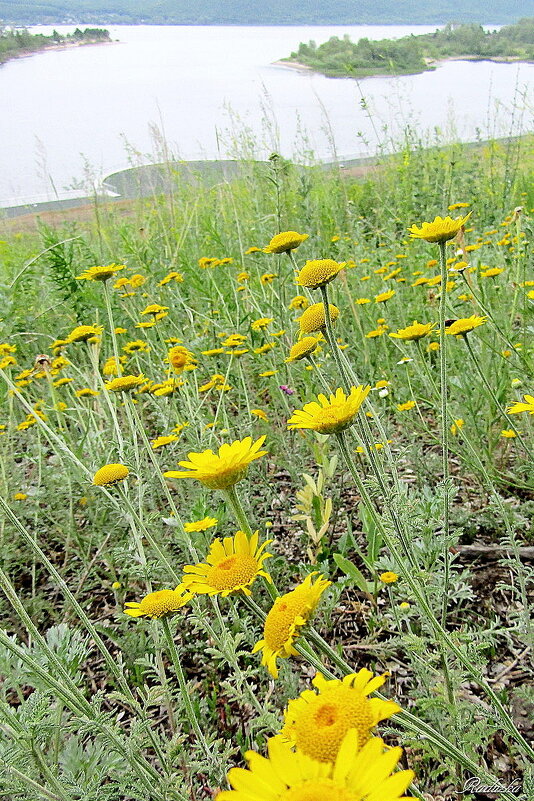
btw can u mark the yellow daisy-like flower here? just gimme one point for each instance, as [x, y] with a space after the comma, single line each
[313, 318]
[267, 278]
[224, 469]
[180, 358]
[110, 474]
[284, 242]
[262, 323]
[330, 415]
[136, 346]
[414, 331]
[125, 383]
[384, 296]
[389, 577]
[212, 352]
[159, 442]
[289, 613]
[465, 325]
[492, 272]
[200, 525]
[365, 775]
[316, 723]
[100, 273]
[261, 414]
[172, 276]
[231, 565]
[440, 230]
[299, 302]
[509, 433]
[319, 272]
[84, 333]
[405, 407]
[155, 308]
[252, 249]
[304, 347]
[157, 604]
[20, 496]
[527, 406]
[86, 392]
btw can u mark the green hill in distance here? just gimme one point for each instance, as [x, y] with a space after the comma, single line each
[262, 12]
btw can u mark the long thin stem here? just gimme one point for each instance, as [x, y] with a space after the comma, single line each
[184, 691]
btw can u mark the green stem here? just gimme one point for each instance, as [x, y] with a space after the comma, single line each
[237, 508]
[184, 691]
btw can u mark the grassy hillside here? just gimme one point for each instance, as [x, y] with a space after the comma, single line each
[401, 517]
[267, 12]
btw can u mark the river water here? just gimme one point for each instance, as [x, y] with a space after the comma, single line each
[72, 116]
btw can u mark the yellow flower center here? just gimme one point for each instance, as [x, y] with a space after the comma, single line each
[320, 729]
[234, 571]
[319, 791]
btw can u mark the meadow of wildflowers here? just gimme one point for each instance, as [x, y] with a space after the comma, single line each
[267, 488]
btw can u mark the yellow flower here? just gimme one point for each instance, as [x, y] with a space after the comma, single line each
[405, 407]
[20, 496]
[318, 272]
[262, 323]
[265, 348]
[157, 604]
[205, 261]
[172, 276]
[330, 415]
[289, 613]
[267, 373]
[100, 273]
[232, 565]
[284, 242]
[159, 442]
[362, 301]
[261, 414]
[509, 433]
[224, 469]
[383, 296]
[313, 318]
[492, 272]
[180, 358]
[527, 406]
[455, 206]
[440, 230]
[86, 392]
[433, 346]
[316, 723]
[110, 474]
[267, 278]
[136, 346]
[299, 302]
[457, 426]
[124, 383]
[155, 309]
[388, 577]
[242, 277]
[200, 525]
[304, 347]
[84, 333]
[414, 331]
[464, 325]
[252, 249]
[212, 352]
[356, 775]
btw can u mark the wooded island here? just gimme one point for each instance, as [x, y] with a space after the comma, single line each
[416, 53]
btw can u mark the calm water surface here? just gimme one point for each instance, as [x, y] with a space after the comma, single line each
[72, 116]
